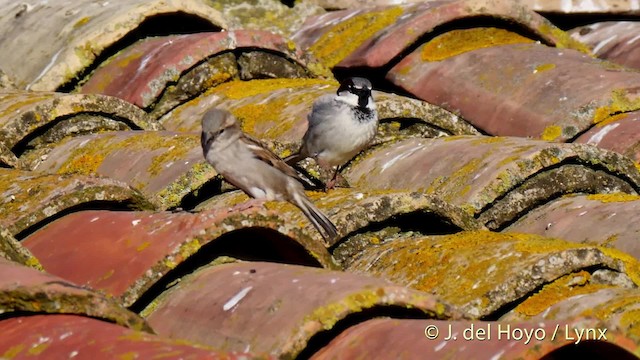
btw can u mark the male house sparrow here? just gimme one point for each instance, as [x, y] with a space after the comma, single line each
[247, 164]
[340, 126]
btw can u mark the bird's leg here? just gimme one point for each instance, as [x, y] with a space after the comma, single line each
[336, 180]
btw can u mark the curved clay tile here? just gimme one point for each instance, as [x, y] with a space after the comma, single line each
[376, 37]
[495, 179]
[65, 38]
[8, 159]
[528, 90]
[583, 7]
[412, 339]
[29, 119]
[68, 336]
[26, 290]
[13, 250]
[620, 133]
[603, 219]
[165, 166]
[615, 41]
[220, 305]
[278, 109]
[129, 252]
[29, 200]
[481, 272]
[280, 17]
[384, 209]
[617, 307]
[158, 74]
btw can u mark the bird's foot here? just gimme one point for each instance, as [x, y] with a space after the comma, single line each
[249, 204]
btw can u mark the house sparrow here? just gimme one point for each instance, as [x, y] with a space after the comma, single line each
[247, 164]
[340, 126]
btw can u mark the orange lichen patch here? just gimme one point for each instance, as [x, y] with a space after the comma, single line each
[82, 164]
[611, 119]
[615, 197]
[629, 264]
[345, 37]
[456, 42]
[560, 289]
[239, 89]
[619, 103]
[81, 22]
[551, 133]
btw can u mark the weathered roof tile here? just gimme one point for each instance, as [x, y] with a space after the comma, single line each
[160, 73]
[29, 200]
[481, 272]
[165, 166]
[68, 336]
[26, 290]
[65, 38]
[496, 179]
[224, 302]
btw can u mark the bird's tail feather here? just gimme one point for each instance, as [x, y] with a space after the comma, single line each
[317, 218]
[294, 158]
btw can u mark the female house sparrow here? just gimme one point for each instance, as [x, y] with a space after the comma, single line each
[247, 164]
[340, 126]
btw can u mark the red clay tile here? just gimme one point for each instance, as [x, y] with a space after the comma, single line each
[615, 41]
[495, 179]
[29, 200]
[607, 220]
[11, 249]
[407, 339]
[616, 307]
[164, 166]
[75, 337]
[30, 118]
[221, 305]
[131, 251]
[26, 290]
[481, 272]
[619, 133]
[278, 109]
[162, 72]
[383, 209]
[375, 37]
[527, 90]
[65, 38]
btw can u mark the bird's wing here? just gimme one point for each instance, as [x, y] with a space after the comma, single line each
[262, 153]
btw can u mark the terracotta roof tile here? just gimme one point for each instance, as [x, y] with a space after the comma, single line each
[393, 338]
[66, 37]
[580, 219]
[30, 200]
[490, 270]
[376, 37]
[32, 119]
[618, 133]
[616, 307]
[26, 290]
[160, 73]
[495, 179]
[224, 302]
[164, 166]
[612, 40]
[68, 336]
[161, 242]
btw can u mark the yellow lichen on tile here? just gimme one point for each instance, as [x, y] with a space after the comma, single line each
[611, 119]
[239, 89]
[615, 197]
[456, 42]
[563, 39]
[630, 321]
[551, 133]
[345, 37]
[619, 103]
[543, 67]
[558, 290]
